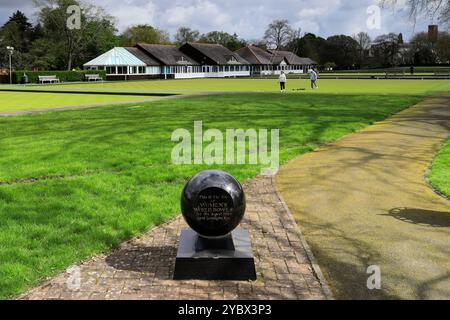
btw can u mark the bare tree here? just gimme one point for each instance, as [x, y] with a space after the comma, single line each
[364, 42]
[439, 9]
[386, 49]
[296, 34]
[279, 33]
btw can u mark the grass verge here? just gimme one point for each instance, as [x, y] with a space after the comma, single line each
[439, 175]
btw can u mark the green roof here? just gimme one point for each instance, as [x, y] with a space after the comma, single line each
[116, 57]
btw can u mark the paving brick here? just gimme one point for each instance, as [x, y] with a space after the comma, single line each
[142, 268]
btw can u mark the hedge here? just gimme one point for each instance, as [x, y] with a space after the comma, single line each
[63, 76]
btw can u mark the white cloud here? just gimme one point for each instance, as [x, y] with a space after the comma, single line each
[201, 13]
[248, 18]
[307, 26]
[130, 12]
[311, 12]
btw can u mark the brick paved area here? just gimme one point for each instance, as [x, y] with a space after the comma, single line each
[143, 267]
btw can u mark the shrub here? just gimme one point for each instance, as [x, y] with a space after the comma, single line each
[64, 76]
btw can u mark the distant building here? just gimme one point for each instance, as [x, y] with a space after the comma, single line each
[294, 63]
[194, 60]
[119, 64]
[174, 64]
[217, 61]
[269, 62]
[260, 61]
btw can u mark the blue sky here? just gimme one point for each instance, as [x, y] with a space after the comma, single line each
[248, 18]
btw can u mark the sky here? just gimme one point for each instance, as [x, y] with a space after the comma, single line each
[249, 18]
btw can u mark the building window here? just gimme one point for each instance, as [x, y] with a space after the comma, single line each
[141, 70]
[122, 70]
[111, 70]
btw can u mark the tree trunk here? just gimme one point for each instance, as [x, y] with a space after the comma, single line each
[69, 63]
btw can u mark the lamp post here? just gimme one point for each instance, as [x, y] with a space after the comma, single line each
[10, 50]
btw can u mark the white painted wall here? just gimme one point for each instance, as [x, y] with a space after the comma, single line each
[153, 70]
[212, 74]
[278, 72]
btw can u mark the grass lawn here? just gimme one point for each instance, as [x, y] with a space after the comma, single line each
[439, 175]
[15, 101]
[75, 183]
[327, 86]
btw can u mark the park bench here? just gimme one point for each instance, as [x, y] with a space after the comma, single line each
[93, 77]
[48, 79]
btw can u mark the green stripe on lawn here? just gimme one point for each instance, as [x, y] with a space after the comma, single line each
[16, 101]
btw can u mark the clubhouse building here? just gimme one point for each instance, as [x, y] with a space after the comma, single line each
[195, 60]
[269, 62]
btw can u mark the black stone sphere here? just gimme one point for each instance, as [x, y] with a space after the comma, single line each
[213, 203]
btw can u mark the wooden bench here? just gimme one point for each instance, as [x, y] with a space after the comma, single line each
[48, 79]
[93, 77]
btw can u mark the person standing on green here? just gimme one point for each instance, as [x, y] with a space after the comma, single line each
[313, 77]
[282, 80]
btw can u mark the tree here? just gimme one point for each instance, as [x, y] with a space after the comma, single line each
[329, 66]
[342, 50]
[185, 34]
[309, 46]
[72, 46]
[44, 56]
[144, 33]
[230, 41]
[442, 48]
[425, 52]
[19, 33]
[364, 42]
[279, 33]
[386, 49]
[439, 9]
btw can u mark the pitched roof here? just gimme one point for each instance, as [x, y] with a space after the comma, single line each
[292, 58]
[277, 59]
[141, 55]
[217, 53]
[166, 54]
[258, 56]
[116, 57]
[255, 55]
[309, 61]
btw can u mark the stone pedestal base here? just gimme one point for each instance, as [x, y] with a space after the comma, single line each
[215, 264]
